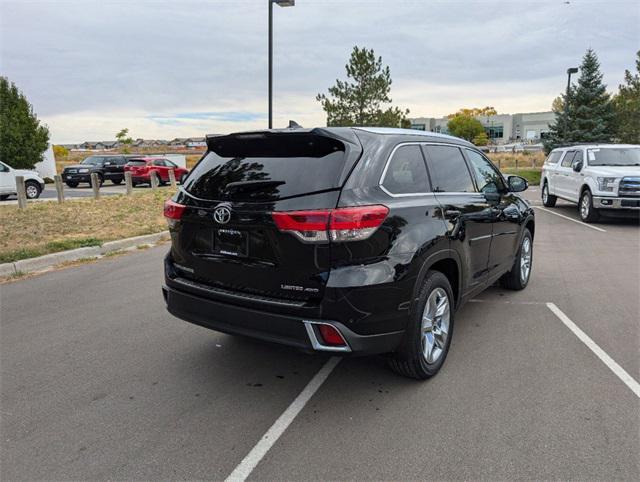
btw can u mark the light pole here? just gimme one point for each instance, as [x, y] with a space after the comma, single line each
[572, 70]
[282, 3]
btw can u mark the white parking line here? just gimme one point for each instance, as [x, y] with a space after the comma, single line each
[599, 352]
[253, 458]
[571, 219]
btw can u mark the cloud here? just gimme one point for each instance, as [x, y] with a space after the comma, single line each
[167, 69]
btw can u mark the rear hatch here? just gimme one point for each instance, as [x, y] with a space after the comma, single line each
[227, 237]
[136, 166]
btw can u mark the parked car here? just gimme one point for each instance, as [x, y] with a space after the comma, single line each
[598, 177]
[108, 167]
[344, 240]
[142, 167]
[34, 184]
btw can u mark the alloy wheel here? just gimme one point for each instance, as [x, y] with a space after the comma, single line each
[525, 260]
[32, 192]
[585, 206]
[545, 193]
[435, 325]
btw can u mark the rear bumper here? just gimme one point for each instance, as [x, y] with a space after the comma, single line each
[279, 328]
[627, 203]
[140, 178]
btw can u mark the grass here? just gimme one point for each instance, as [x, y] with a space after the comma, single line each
[531, 175]
[523, 160]
[49, 227]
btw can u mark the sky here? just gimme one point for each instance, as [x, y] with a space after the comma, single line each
[187, 68]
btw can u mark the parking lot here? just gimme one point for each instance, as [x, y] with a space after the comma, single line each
[82, 191]
[100, 382]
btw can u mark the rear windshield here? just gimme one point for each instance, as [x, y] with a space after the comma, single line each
[259, 167]
[137, 162]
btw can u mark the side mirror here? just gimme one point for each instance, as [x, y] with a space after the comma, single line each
[577, 166]
[517, 183]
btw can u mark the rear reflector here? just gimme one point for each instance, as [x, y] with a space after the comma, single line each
[331, 336]
[173, 212]
[341, 224]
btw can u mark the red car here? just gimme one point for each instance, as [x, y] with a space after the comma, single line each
[142, 167]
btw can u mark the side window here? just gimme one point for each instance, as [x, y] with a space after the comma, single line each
[577, 157]
[568, 159]
[553, 158]
[448, 169]
[158, 162]
[406, 173]
[488, 178]
[168, 163]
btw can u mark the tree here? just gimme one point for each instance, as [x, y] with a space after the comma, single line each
[590, 115]
[558, 104]
[23, 140]
[60, 152]
[123, 138]
[627, 107]
[475, 111]
[361, 100]
[467, 127]
[481, 139]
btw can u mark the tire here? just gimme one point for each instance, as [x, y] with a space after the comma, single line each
[413, 358]
[100, 180]
[117, 181]
[518, 278]
[548, 200]
[32, 189]
[72, 184]
[161, 182]
[587, 212]
[4, 197]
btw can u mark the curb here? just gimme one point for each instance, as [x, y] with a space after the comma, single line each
[49, 260]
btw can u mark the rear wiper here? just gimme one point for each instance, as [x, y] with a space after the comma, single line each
[238, 185]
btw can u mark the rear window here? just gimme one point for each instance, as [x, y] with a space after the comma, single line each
[553, 158]
[258, 167]
[406, 172]
[137, 162]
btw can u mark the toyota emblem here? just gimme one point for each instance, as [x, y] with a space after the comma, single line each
[222, 215]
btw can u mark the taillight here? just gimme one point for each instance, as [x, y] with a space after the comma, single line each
[341, 224]
[173, 212]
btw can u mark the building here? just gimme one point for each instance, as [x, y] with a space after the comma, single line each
[501, 128]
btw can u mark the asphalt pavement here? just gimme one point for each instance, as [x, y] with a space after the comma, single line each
[98, 381]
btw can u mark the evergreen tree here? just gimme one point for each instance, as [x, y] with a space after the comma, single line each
[360, 101]
[627, 107]
[23, 140]
[590, 115]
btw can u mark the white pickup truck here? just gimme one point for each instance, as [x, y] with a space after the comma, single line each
[597, 177]
[33, 183]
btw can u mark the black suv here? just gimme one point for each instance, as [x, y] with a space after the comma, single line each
[344, 240]
[108, 167]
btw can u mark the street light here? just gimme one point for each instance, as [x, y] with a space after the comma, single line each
[282, 3]
[572, 70]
